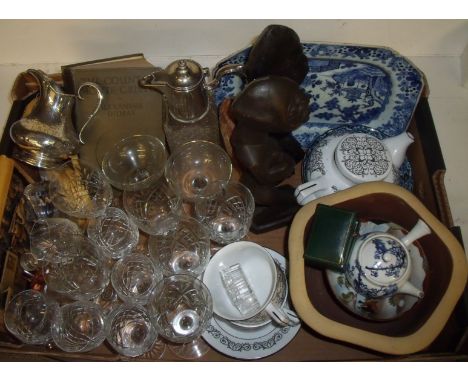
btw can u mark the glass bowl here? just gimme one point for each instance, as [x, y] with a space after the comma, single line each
[197, 169]
[29, 316]
[135, 162]
[79, 190]
[154, 210]
[79, 327]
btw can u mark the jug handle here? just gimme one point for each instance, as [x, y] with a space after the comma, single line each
[237, 69]
[91, 116]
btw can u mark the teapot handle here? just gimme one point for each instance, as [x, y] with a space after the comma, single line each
[237, 69]
[91, 116]
[306, 192]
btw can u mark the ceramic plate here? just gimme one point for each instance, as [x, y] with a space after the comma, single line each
[373, 87]
[383, 309]
[403, 174]
[245, 343]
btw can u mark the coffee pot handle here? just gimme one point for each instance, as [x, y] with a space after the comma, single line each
[98, 106]
[237, 69]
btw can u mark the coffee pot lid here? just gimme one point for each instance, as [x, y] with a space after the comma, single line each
[363, 158]
[184, 74]
[383, 259]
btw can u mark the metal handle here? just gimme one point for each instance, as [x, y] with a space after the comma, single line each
[237, 69]
[91, 116]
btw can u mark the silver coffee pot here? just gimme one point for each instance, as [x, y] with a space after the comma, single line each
[186, 88]
[46, 137]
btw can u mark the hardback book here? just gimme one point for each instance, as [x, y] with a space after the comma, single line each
[127, 109]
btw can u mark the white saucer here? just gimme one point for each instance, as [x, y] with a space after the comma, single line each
[250, 343]
[381, 309]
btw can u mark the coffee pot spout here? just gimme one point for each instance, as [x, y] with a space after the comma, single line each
[397, 147]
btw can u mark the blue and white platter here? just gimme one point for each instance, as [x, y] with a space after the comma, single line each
[373, 88]
[250, 343]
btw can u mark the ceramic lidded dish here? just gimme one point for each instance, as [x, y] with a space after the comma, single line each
[415, 329]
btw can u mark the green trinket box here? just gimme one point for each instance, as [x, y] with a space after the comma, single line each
[331, 237]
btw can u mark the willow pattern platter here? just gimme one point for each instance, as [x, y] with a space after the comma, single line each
[371, 87]
[250, 343]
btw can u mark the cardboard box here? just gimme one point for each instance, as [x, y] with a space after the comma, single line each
[428, 169]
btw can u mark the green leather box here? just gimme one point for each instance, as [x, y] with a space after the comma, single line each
[331, 236]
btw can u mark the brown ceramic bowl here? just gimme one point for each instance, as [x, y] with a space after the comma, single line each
[444, 284]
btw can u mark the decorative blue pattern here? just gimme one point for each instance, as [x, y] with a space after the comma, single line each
[311, 163]
[371, 88]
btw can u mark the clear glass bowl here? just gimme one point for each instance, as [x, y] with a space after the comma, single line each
[154, 210]
[78, 190]
[185, 248]
[114, 232]
[29, 316]
[182, 307]
[196, 169]
[130, 330]
[79, 327]
[84, 272]
[135, 162]
[134, 278]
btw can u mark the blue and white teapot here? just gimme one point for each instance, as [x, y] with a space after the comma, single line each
[380, 265]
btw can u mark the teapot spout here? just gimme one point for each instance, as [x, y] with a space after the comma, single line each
[410, 289]
[397, 146]
[419, 230]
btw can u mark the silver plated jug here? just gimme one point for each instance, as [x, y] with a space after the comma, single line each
[47, 137]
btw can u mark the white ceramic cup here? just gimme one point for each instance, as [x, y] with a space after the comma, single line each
[261, 274]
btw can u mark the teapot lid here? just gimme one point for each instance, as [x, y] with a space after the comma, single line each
[184, 74]
[383, 259]
[363, 158]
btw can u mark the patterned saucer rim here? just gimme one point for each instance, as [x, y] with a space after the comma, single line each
[250, 343]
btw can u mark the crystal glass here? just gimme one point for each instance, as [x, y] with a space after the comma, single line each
[108, 300]
[79, 327]
[29, 315]
[114, 232]
[134, 278]
[38, 201]
[185, 248]
[79, 190]
[49, 238]
[154, 210]
[196, 168]
[83, 274]
[228, 215]
[182, 308]
[134, 163]
[130, 330]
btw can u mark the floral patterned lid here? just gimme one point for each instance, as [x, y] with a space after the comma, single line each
[363, 158]
[383, 259]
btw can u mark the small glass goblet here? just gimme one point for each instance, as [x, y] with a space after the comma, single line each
[50, 237]
[79, 327]
[29, 316]
[84, 272]
[154, 210]
[228, 215]
[195, 169]
[134, 278]
[184, 248]
[130, 330]
[114, 232]
[182, 308]
[79, 190]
